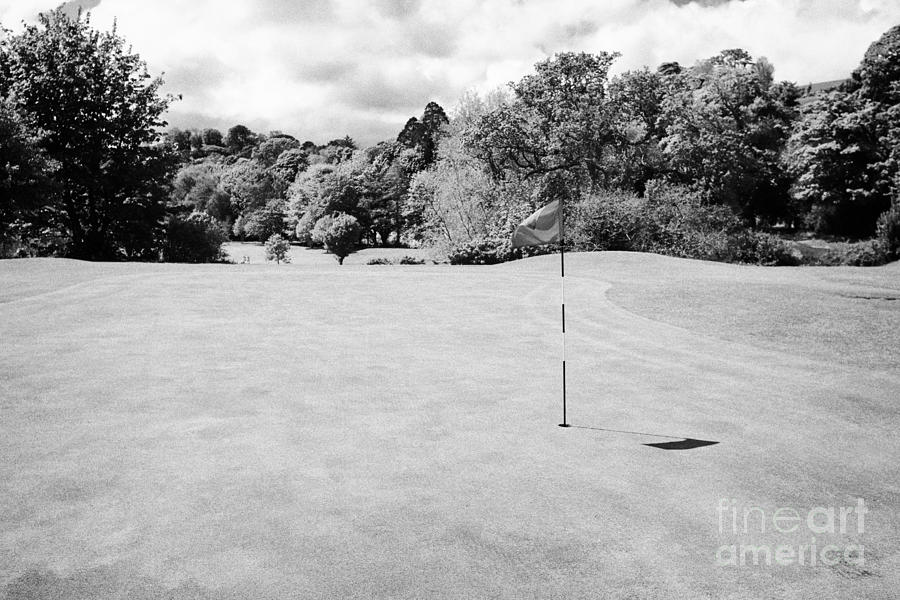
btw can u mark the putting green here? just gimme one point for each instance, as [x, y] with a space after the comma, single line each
[310, 430]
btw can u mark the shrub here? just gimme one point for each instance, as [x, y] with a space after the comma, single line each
[492, 250]
[318, 229]
[198, 238]
[277, 249]
[341, 236]
[762, 249]
[889, 231]
[607, 220]
[412, 260]
[380, 261]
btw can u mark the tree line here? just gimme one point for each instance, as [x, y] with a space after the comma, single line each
[713, 160]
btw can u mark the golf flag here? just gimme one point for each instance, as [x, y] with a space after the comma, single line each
[540, 228]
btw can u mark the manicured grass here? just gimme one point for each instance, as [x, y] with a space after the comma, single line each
[310, 430]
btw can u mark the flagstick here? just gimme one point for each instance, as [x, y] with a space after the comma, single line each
[562, 274]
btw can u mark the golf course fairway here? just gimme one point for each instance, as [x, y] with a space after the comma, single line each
[320, 431]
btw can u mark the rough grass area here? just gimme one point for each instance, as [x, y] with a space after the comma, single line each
[316, 431]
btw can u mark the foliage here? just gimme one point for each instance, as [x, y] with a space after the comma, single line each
[341, 236]
[198, 238]
[671, 220]
[249, 185]
[265, 222]
[268, 152]
[878, 76]
[23, 178]
[411, 260]
[845, 151]
[725, 124]
[406, 260]
[490, 250]
[636, 97]
[277, 249]
[559, 120]
[240, 140]
[98, 110]
[197, 187]
[888, 230]
[838, 155]
[423, 135]
[458, 201]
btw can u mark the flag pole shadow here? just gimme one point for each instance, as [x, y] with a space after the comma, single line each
[677, 443]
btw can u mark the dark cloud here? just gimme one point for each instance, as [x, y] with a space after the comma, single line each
[72, 7]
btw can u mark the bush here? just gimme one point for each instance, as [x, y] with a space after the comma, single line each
[198, 238]
[277, 249]
[889, 231]
[669, 219]
[341, 235]
[406, 260]
[492, 250]
[607, 220]
[761, 249]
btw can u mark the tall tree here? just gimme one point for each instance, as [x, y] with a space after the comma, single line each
[726, 124]
[22, 170]
[845, 151]
[100, 112]
[559, 121]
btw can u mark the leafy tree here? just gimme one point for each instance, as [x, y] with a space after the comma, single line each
[277, 249]
[337, 150]
[240, 140]
[559, 120]
[212, 137]
[726, 124]
[197, 238]
[845, 151]
[249, 185]
[288, 165]
[324, 189]
[100, 111]
[268, 152]
[181, 141]
[457, 201]
[636, 99]
[878, 76]
[23, 181]
[265, 222]
[423, 135]
[196, 187]
[342, 236]
[306, 199]
[836, 154]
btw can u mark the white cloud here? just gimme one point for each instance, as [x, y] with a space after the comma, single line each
[321, 69]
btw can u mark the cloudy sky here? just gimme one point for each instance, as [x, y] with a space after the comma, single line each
[321, 69]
